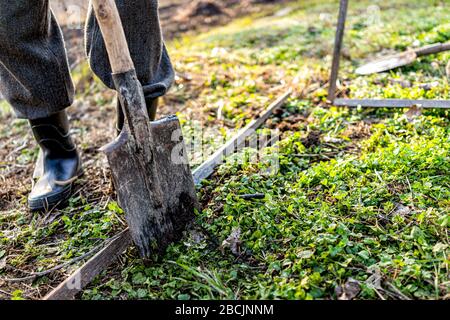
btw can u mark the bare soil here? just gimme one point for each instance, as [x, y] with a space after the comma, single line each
[176, 16]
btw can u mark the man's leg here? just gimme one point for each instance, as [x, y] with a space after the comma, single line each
[34, 73]
[34, 78]
[141, 24]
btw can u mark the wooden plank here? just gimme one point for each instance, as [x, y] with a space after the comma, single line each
[207, 168]
[337, 49]
[92, 268]
[392, 103]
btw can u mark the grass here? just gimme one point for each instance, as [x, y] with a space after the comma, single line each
[358, 195]
[379, 216]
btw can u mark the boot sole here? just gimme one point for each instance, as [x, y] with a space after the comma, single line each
[58, 200]
[54, 201]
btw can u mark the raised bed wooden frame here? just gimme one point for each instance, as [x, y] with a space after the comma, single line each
[367, 103]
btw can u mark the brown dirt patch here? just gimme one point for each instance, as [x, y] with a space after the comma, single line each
[358, 131]
[312, 139]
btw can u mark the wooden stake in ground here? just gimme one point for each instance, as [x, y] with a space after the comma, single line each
[375, 103]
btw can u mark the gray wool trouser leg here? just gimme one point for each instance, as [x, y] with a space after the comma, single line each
[34, 73]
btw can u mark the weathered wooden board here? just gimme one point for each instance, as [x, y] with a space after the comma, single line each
[392, 103]
[92, 268]
[207, 168]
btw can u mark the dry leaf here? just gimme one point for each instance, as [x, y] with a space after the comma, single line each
[349, 290]
[305, 254]
[413, 112]
[233, 241]
[401, 210]
[3, 263]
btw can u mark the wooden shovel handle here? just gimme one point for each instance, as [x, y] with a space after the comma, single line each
[434, 48]
[112, 30]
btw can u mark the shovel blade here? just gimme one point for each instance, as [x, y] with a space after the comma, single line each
[154, 185]
[387, 63]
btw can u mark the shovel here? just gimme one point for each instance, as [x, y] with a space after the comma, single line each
[401, 59]
[148, 160]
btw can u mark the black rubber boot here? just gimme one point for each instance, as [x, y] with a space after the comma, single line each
[60, 160]
[152, 107]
